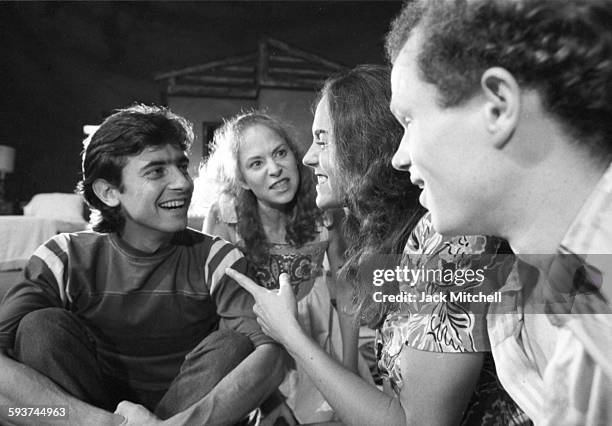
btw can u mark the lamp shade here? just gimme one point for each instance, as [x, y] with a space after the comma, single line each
[7, 159]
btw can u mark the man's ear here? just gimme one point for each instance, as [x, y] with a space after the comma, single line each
[503, 104]
[106, 192]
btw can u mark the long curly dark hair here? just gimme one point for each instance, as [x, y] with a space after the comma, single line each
[381, 201]
[222, 168]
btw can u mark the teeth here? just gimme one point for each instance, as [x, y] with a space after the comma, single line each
[280, 184]
[321, 179]
[172, 204]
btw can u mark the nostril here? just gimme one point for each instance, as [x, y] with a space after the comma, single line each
[398, 164]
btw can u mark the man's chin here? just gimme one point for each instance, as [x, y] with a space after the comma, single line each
[177, 226]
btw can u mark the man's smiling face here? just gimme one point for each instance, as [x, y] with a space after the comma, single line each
[155, 194]
[443, 149]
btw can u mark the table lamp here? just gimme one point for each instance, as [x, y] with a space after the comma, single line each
[7, 165]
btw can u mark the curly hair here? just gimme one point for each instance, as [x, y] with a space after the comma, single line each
[561, 49]
[222, 168]
[125, 133]
[381, 201]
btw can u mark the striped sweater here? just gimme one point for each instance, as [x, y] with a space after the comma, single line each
[146, 311]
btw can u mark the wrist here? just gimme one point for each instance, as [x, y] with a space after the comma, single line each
[295, 339]
[289, 332]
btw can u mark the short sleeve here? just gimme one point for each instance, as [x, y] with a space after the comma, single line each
[436, 314]
[234, 304]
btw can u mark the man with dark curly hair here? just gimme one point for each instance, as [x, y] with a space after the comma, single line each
[506, 107]
[139, 309]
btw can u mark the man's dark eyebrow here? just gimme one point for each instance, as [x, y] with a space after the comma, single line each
[157, 163]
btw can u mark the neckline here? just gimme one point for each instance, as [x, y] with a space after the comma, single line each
[135, 253]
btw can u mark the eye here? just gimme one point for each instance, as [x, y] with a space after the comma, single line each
[255, 164]
[155, 173]
[281, 153]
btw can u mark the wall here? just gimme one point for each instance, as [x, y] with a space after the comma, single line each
[294, 106]
[66, 64]
[200, 110]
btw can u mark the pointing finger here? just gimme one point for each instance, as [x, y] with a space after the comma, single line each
[244, 281]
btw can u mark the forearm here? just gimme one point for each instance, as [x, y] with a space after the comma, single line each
[343, 292]
[22, 386]
[349, 329]
[355, 401]
[241, 391]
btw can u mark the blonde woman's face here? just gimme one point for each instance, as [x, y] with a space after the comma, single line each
[268, 166]
[320, 157]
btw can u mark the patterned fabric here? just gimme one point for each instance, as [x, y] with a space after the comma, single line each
[303, 265]
[450, 326]
[554, 358]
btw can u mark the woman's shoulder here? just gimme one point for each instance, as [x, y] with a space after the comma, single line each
[225, 208]
[219, 224]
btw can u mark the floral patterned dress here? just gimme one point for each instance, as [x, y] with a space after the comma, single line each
[440, 324]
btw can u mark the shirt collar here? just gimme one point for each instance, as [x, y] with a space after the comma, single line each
[585, 236]
[589, 233]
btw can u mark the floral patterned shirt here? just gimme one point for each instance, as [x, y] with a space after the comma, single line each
[433, 321]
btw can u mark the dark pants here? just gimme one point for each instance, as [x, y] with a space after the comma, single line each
[57, 344]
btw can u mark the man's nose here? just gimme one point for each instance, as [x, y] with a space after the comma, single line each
[180, 179]
[401, 158]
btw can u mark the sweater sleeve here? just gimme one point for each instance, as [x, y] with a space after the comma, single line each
[234, 304]
[41, 286]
